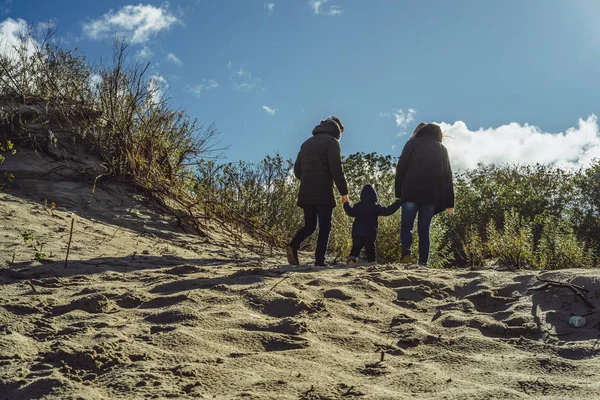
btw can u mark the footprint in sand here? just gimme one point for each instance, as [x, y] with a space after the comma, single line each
[485, 301]
[53, 384]
[284, 342]
[185, 269]
[177, 316]
[85, 363]
[336, 294]
[131, 300]
[166, 301]
[94, 304]
[288, 326]
[284, 307]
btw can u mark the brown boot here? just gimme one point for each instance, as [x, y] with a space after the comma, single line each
[406, 257]
[292, 255]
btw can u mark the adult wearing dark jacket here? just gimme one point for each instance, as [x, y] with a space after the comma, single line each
[318, 166]
[366, 215]
[424, 183]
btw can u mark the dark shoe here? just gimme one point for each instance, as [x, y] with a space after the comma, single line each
[321, 264]
[351, 261]
[292, 255]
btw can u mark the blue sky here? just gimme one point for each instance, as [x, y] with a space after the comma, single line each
[511, 80]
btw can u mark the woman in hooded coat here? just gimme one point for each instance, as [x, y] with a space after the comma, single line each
[424, 184]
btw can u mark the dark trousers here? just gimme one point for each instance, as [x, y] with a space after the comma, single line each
[314, 215]
[358, 242]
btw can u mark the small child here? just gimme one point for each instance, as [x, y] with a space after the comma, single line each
[364, 229]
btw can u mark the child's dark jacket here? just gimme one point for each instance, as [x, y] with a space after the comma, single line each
[367, 211]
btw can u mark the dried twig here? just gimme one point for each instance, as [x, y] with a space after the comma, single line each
[349, 392]
[70, 238]
[579, 290]
[32, 287]
[281, 280]
[111, 238]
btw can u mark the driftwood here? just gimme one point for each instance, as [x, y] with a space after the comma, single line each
[579, 290]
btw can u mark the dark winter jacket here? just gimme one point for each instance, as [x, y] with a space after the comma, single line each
[367, 211]
[424, 175]
[319, 165]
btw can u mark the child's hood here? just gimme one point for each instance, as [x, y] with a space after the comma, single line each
[368, 194]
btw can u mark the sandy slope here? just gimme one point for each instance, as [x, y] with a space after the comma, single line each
[189, 318]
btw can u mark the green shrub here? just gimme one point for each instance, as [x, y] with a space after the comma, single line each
[388, 239]
[474, 248]
[584, 212]
[560, 248]
[441, 253]
[512, 245]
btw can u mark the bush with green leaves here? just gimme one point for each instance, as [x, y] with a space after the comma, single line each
[488, 191]
[584, 212]
[512, 244]
[474, 248]
[559, 247]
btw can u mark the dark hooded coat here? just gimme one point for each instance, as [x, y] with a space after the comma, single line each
[423, 174]
[319, 165]
[367, 212]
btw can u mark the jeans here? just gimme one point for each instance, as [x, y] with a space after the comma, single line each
[357, 244]
[409, 213]
[313, 215]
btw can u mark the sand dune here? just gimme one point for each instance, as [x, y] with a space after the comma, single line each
[145, 311]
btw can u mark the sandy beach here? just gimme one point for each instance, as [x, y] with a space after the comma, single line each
[144, 310]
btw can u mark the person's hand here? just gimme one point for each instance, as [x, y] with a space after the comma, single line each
[345, 199]
[450, 211]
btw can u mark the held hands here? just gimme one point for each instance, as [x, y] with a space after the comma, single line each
[450, 211]
[345, 199]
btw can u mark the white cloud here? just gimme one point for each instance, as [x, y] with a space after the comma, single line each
[14, 34]
[404, 119]
[242, 79]
[138, 23]
[270, 110]
[145, 53]
[243, 74]
[203, 86]
[158, 86]
[319, 8]
[173, 58]
[523, 144]
[95, 79]
[270, 7]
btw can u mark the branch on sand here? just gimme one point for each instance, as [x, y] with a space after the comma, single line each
[579, 290]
